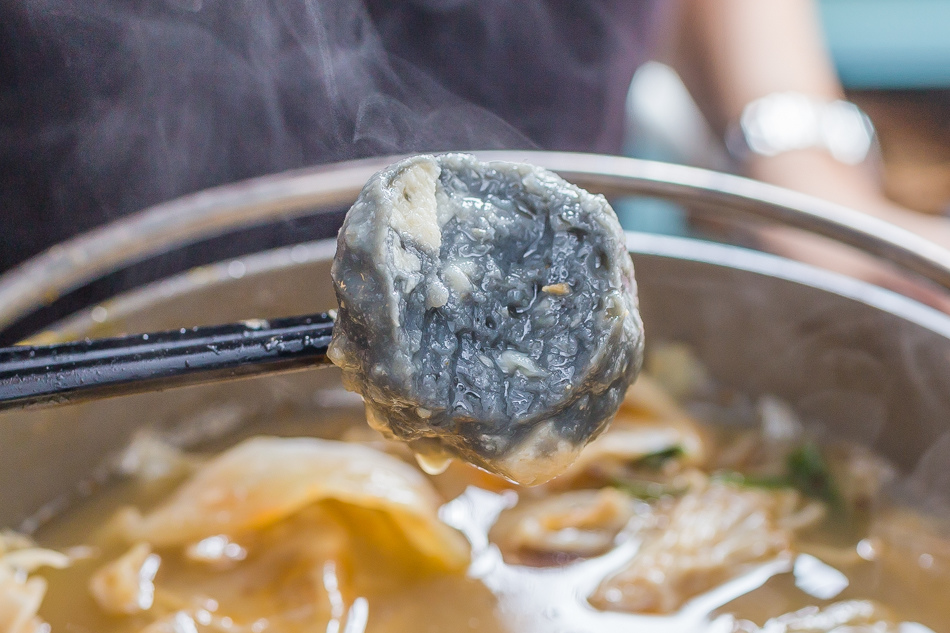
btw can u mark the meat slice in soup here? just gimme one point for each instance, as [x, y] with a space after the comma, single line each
[563, 526]
[487, 311]
[705, 538]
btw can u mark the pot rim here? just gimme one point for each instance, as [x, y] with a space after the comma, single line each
[267, 261]
[191, 218]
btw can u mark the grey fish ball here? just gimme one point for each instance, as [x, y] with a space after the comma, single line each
[487, 311]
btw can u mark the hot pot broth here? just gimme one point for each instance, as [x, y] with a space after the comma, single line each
[665, 522]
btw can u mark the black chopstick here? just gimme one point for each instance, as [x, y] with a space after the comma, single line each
[96, 368]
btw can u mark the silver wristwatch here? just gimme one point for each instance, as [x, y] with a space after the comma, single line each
[786, 121]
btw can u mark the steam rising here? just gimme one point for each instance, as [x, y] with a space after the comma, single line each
[110, 106]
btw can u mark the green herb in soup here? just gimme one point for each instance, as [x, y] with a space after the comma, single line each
[663, 523]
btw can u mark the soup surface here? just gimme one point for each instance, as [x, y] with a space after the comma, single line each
[665, 523]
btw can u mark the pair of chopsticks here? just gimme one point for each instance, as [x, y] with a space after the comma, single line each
[96, 368]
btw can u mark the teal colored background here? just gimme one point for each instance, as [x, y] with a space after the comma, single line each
[889, 43]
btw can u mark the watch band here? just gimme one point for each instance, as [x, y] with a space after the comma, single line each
[787, 121]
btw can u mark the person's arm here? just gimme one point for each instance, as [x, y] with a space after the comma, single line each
[732, 52]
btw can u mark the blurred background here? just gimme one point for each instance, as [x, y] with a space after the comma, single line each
[893, 60]
[110, 106]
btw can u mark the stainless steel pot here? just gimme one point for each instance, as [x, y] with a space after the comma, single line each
[858, 360]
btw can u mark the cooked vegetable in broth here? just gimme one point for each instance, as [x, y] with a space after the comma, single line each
[664, 523]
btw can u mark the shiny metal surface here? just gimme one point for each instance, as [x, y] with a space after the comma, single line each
[854, 360]
[216, 211]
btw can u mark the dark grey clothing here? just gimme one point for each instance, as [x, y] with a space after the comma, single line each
[108, 106]
[557, 70]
